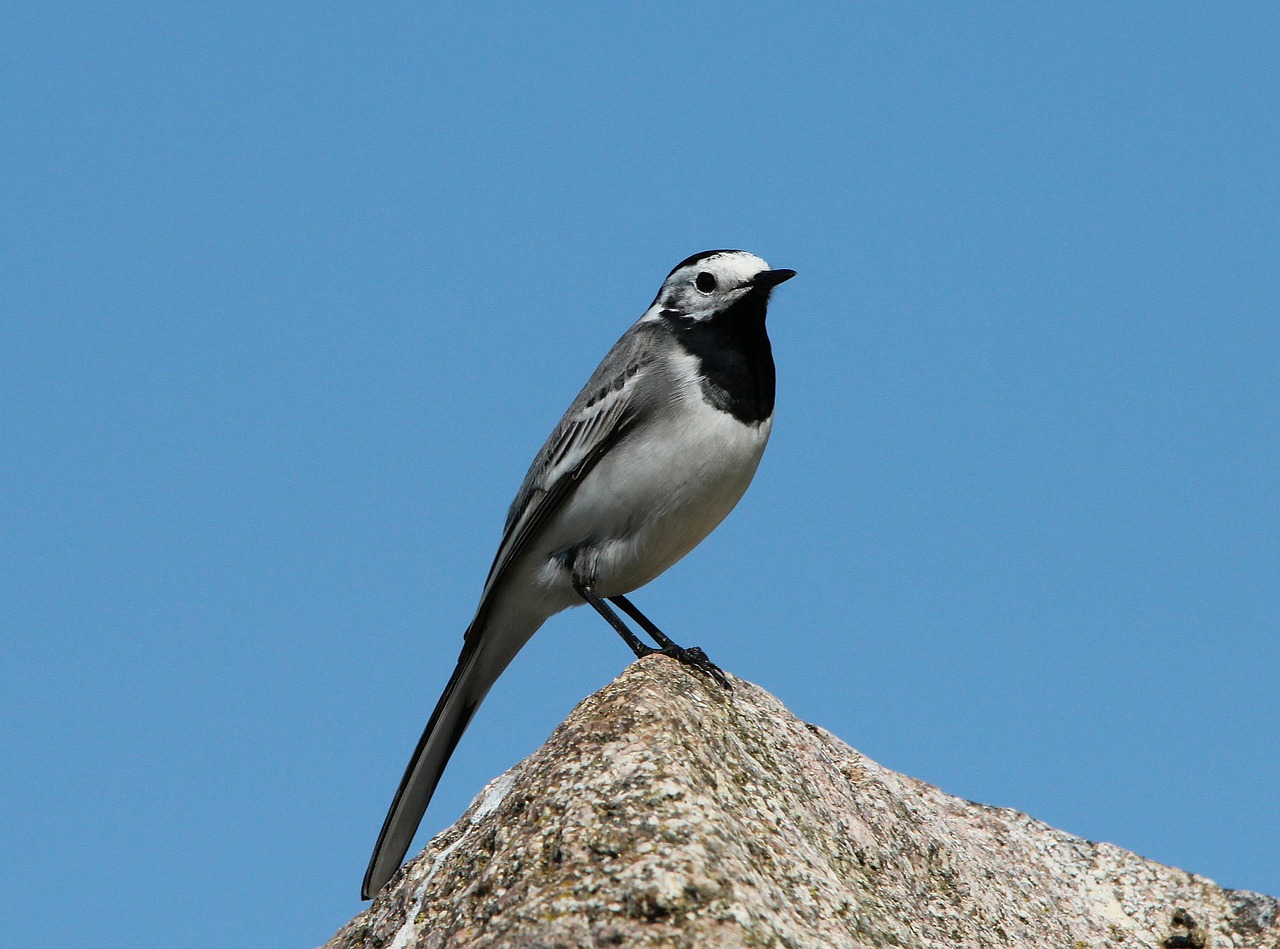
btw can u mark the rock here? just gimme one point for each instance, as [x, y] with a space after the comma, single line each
[666, 811]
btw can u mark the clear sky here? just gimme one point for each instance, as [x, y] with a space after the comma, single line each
[292, 292]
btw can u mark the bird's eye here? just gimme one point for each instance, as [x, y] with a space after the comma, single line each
[705, 282]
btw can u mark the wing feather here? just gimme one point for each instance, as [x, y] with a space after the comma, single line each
[604, 411]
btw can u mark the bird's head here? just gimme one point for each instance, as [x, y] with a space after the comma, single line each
[714, 282]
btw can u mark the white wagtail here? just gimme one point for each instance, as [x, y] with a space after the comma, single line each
[652, 454]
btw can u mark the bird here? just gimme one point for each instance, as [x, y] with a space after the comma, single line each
[657, 448]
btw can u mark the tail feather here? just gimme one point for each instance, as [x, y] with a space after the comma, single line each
[486, 654]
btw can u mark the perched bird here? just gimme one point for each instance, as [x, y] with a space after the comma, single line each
[652, 454]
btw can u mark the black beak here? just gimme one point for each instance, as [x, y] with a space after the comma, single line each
[771, 278]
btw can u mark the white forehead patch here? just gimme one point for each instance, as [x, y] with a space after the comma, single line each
[732, 267]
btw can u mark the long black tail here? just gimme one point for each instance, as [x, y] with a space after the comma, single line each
[467, 687]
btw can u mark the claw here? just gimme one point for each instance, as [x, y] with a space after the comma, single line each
[695, 658]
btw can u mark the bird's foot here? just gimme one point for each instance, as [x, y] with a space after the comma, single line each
[695, 658]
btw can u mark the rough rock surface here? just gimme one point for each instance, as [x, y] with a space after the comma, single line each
[666, 811]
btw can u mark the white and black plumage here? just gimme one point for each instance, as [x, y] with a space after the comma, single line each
[652, 454]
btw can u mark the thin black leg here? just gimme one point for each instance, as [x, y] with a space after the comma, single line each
[646, 624]
[588, 593]
[693, 656]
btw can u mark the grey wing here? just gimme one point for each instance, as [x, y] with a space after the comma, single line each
[604, 411]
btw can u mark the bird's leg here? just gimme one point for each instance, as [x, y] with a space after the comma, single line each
[693, 656]
[588, 593]
[659, 637]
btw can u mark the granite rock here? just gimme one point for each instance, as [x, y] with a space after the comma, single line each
[667, 811]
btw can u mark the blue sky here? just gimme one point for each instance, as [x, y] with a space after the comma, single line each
[293, 292]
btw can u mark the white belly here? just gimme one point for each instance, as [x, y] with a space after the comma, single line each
[648, 502]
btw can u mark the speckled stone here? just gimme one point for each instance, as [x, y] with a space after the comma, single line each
[669, 812]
